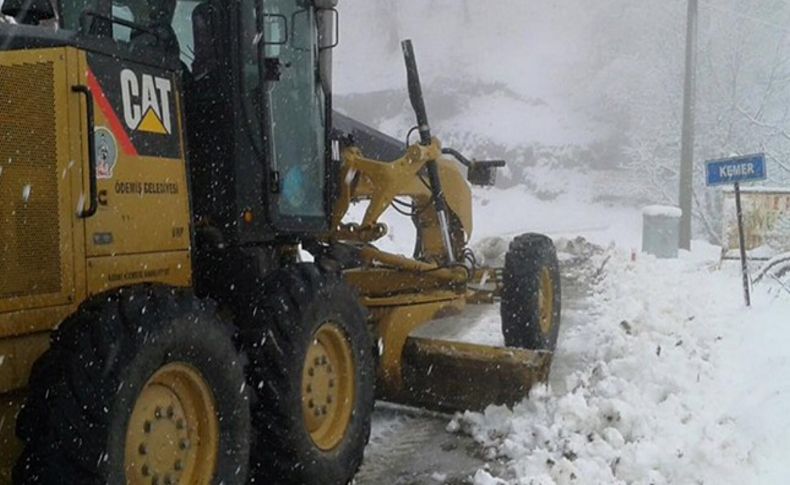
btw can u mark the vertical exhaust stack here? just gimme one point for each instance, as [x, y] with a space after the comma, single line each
[418, 105]
[415, 92]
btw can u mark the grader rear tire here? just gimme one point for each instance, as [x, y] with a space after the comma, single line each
[531, 294]
[312, 367]
[142, 387]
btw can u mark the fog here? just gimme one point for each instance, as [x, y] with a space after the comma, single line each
[574, 85]
[579, 96]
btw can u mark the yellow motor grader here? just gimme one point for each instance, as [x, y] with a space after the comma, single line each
[162, 165]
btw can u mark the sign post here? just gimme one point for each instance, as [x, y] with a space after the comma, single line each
[749, 168]
[742, 244]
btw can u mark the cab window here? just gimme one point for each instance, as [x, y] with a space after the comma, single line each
[152, 17]
[183, 27]
[137, 11]
[71, 10]
[120, 32]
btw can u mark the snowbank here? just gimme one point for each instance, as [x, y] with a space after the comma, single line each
[679, 383]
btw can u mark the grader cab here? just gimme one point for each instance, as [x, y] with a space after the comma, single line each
[162, 163]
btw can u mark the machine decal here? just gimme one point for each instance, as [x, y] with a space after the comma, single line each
[109, 114]
[146, 274]
[146, 102]
[146, 188]
[139, 103]
[106, 153]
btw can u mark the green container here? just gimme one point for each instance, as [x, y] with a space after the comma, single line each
[661, 231]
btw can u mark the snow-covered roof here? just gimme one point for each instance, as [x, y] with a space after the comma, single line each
[662, 211]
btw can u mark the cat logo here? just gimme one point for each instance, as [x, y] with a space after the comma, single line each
[146, 102]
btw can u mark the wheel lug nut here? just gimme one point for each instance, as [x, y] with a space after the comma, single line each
[317, 361]
[147, 426]
[155, 480]
[309, 388]
[158, 413]
[184, 444]
[310, 404]
[331, 383]
[317, 412]
[323, 410]
[310, 372]
[146, 471]
[178, 466]
[170, 412]
[329, 399]
[180, 424]
[323, 360]
[143, 449]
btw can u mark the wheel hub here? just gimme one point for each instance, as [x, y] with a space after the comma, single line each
[173, 432]
[328, 387]
[546, 301]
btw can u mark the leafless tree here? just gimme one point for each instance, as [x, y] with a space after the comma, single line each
[743, 101]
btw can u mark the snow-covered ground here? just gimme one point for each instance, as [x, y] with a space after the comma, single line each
[678, 383]
[667, 379]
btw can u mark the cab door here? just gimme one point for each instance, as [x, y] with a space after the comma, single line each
[296, 113]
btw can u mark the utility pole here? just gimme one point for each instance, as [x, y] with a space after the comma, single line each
[687, 142]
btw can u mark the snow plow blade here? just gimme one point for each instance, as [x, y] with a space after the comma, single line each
[444, 376]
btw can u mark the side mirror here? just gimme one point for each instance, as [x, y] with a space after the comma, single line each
[328, 26]
[30, 12]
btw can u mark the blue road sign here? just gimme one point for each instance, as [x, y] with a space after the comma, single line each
[749, 168]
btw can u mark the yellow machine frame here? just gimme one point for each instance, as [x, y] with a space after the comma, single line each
[149, 231]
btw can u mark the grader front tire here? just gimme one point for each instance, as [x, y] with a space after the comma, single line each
[531, 294]
[142, 387]
[311, 364]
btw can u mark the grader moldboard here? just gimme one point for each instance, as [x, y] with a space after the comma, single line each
[161, 162]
